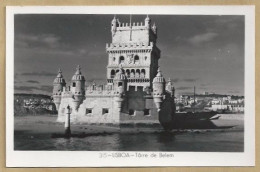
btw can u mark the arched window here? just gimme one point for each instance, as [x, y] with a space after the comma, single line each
[145, 58]
[121, 59]
[73, 84]
[112, 74]
[131, 112]
[136, 59]
[132, 74]
[114, 59]
[137, 74]
[142, 73]
[127, 73]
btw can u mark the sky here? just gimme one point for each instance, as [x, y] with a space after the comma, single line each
[206, 51]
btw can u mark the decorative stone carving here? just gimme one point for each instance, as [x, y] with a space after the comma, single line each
[130, 58]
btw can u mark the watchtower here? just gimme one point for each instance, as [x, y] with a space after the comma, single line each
[134, 48]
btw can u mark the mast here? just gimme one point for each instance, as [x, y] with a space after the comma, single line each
[130, 27]
[194, 96]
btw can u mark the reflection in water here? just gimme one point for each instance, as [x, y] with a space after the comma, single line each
[228, 141]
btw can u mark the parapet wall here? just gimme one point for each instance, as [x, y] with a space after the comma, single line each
[101, 90]
[128, 46]
[133, 25]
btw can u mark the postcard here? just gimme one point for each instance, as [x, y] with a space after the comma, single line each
[130, 86]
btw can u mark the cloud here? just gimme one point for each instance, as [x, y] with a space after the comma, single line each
[190, 80]
[46, 88]
[43, 73]
[187, 93]
[32, 81]
[204, 84]
[184, 88]
[234, 92]
[41, 40]
[202, 38]
[25, 88]
[175, 80]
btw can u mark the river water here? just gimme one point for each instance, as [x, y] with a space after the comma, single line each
[192, 140]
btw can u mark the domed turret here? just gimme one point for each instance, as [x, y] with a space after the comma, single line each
[170, 88]
[159, 80]
[120, 87]
[58, 84]
[78, 87]
[147, 21]
[120, 81]
[158, 89]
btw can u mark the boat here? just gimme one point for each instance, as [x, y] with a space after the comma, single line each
[193, 119]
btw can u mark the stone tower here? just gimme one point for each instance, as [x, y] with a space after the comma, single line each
[134, 48]
[58, 84]
[78, 87]
[158, 89]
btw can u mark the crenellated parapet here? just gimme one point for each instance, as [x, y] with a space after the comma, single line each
[57, 93]
[67, 94]
[130, 47]
[100, 90]
[127, 26]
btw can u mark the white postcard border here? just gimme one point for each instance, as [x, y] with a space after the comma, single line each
[91, 158]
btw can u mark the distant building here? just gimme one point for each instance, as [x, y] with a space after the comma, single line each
[227, 104]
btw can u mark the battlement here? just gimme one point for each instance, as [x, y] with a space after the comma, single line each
[57, 93]
[133, 32]
[124, 25]
[129, 46]
[67, 94]
[134, 26]
[100, 90]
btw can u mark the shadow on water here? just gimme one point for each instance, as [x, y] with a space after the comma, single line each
[79, 135]
[192, 140]
[190, 122]
[189, 133]
[165, 137]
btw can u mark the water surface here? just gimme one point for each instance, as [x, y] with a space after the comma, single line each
[199, 140]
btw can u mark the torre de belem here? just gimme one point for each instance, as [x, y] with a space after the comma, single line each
[136, 91]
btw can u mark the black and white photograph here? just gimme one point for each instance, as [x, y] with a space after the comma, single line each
[130, 84]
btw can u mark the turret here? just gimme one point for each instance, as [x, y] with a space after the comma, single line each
[154, 28]
[113, 26]
[147, 21]
[158, 89]
[120, 83]
[58, 84]
[78, 87]
[170, 88]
